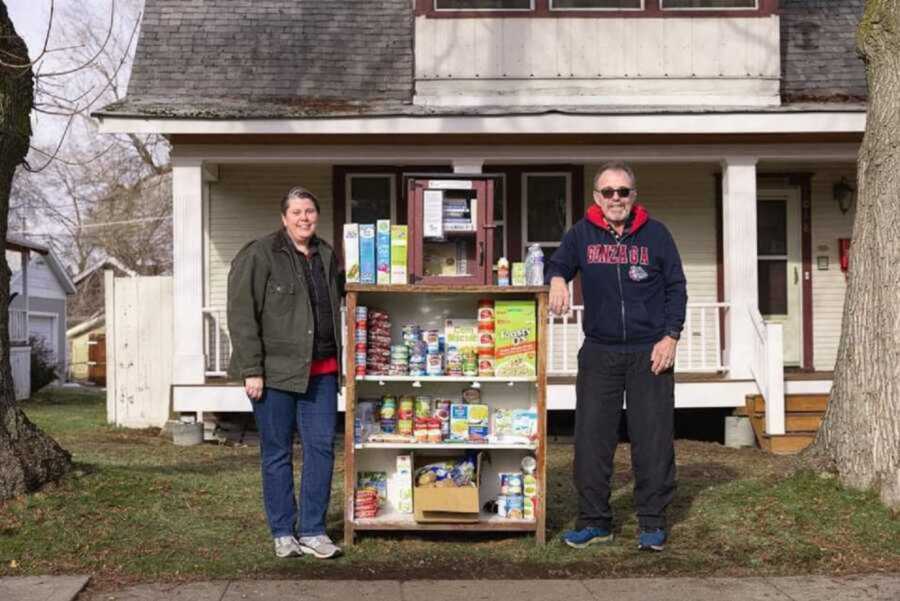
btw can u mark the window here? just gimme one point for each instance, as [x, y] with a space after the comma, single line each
[483, 4]
[708, 4]
[500, 249]
[596, 4]
[771, 243]
[546, 210]
[371, 197]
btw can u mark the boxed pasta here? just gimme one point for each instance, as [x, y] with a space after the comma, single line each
[398, 254]
[367, 253]
[351, 252]
[515, 338]
[459, 422]
[383, 251]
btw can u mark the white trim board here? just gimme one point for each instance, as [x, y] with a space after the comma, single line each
[735, 122]
[507, 154]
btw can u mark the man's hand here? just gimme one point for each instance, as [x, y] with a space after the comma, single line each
[663, 356]
[559, 295]
[254, 387]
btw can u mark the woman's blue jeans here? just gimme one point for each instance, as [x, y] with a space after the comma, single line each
[279, 414]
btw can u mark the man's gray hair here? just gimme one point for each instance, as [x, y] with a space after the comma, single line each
[619, 166]
[298, 193]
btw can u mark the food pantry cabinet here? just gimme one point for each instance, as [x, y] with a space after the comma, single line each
[387, 460]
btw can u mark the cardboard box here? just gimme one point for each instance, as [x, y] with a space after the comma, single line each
[383, 251]
[351, 252]
[367, 253]
[398, 254]
[515, 338]
[446, 504]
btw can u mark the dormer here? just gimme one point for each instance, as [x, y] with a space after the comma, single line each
[623, 53]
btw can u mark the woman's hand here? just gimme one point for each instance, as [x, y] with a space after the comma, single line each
[254, 387]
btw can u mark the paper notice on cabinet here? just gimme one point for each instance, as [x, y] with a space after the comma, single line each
[432, 210]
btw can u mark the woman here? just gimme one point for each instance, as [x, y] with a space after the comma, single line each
[283, 317]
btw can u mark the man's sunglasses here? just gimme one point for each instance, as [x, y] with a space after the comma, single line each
[622, 192]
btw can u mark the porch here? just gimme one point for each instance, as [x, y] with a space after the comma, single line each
[709, 197]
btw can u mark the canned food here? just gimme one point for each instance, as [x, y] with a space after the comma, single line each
[432, 340]
[514, 483]
[360, 347]
[388, 426]
[485, 340]
[529, 508]
[529, 485]
[405, 427]
[485, 364]
[478, 433]
[435, 434]
[388, 407]
[434, 365]
[485, 311]
[471, 395]
[406, 407]
[423, 406]
[515, 506]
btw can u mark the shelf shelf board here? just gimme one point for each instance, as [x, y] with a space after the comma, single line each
[400, 521]
[446, 289]
[430, 379]
[445, 445]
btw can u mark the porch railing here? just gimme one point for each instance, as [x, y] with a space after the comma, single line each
[18, 326]
[767, 366]
[698, 352]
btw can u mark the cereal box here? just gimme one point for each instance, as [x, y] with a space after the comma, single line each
[403, 481]
[398, 254]
[383, 251]
[367, 253]
[351, 252]
[515, 338]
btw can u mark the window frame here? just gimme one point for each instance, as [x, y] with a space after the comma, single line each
[542, 9]
[710, 9]
[524, 208]
[435, 8]
[349, 176]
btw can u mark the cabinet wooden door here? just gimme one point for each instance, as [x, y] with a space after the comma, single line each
[451, 237]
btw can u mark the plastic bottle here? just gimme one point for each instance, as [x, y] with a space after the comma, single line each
[534, 266]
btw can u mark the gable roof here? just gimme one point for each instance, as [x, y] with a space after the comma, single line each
[819, 60]
[271, 56]
[278, 59]
[56, 266]
[109, 262]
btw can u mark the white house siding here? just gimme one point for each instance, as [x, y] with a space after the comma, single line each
[244, 205]
[609, 60]
[42, 282]
[829, 287]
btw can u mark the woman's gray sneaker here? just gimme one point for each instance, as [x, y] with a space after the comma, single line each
[287, 546]
[319, 546]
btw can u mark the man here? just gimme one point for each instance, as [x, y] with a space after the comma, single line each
[634, 307]
[284, 321]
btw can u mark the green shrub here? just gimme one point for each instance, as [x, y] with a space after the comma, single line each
[43, 365]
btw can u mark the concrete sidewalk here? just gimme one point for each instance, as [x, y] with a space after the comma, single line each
[799, 588]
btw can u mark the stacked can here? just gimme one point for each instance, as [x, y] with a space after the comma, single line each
[486, 337]
[365, 503]
[405, 414]
[454, 360]
[418, 354]
[442, 414]
[360, 342]
[411, 333]
[511, 502]
[378, 351]
[399, 360]
[423, 406]
[388, 414]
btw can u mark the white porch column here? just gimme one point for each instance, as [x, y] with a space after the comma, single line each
[187, 222]
[739, 256]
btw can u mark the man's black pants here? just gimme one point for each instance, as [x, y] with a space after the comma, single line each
[603, 376]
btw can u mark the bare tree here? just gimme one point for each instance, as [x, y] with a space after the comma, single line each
[860, 436]
[28, 457]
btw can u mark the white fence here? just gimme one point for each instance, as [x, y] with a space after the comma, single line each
[767, 365]
[139, 350]
[18, 325]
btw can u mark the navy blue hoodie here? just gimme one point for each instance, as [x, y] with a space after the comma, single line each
[633, 286]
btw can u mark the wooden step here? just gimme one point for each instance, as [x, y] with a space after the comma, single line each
[805, 403]
[795, 423]
[786, 444]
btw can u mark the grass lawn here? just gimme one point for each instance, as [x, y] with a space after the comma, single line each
[138, 508]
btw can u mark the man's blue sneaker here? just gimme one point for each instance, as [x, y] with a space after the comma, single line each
[652, 540]
[580, 539]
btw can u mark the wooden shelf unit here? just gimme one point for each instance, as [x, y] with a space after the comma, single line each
[359, 294]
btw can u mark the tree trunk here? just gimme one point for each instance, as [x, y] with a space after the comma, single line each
[860, 436]
[28, 457]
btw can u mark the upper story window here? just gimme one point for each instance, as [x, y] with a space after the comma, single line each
[563, 8]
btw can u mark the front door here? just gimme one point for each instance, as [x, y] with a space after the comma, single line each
[780, 267]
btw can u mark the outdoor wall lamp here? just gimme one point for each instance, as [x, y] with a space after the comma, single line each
[843, 193]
